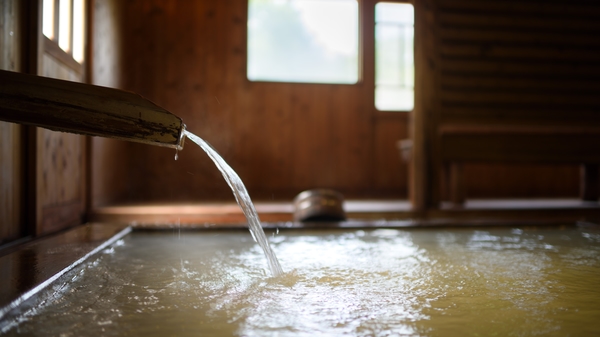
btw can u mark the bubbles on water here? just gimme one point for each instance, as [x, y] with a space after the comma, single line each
[593, 237]
[110, 250]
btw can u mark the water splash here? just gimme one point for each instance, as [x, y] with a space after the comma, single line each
[243, 199]
[382, 282]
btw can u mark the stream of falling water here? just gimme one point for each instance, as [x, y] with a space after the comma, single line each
[243, 199]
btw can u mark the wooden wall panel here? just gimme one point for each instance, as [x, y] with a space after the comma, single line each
[481, 181]
[110, 158]
[511, 62]
[61, 178]
[282, 138]
[11, 141]
[60, 167]
[10, 35]
[424, 115]
[494, 62]
[11, 183]
[43, 173]
[392, 170]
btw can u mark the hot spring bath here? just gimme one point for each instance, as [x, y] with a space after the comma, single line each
[415, 282]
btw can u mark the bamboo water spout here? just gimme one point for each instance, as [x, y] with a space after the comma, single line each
[86, 109]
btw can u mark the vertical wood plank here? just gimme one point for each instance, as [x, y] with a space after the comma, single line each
[60, 168]
[422, 174]
[56, 161]
[12, 206]
[590, 182]
[390, 168]
[11, 184]
[456, 182]
[109, 158]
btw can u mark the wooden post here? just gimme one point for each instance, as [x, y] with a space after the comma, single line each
[456, 184]
[423, 117]
[590, 182]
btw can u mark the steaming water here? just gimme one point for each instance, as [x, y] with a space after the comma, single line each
[421, 282]
[243, 199]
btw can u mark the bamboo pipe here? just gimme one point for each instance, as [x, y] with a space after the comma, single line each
[86, 109]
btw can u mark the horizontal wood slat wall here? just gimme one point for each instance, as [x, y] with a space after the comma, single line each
[540, 55]
[518, 63]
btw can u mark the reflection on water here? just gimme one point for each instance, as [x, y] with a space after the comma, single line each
[366, 283]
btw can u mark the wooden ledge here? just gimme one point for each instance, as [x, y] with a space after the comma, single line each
[518, 129]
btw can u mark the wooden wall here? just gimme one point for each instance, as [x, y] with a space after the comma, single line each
[487, 62]
[60, 166]
[111, 173]
[43, 173]
[11, 135]
[526, 63]
[190, 57]
[509, 62]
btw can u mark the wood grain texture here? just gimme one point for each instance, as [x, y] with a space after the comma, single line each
[281, 138]
[11, 183]
[56, 163]
[11, 142]
[11, 35]
[478, 63]
[424, 116]
[110, 180]
[520, 181]
[527, 66]
[59, 166]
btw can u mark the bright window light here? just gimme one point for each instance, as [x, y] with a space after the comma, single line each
[78, 30]
[64, 25]
[311, 41]
[394, 56]
[48, 18]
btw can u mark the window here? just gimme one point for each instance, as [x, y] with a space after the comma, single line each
[64, 23]
[313, 41]
[316, 41]
[394, 60]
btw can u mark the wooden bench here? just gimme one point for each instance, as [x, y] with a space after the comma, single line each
[461, 144]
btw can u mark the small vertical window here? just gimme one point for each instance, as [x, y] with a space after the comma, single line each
[78, 30]
[48, 18]
[63, 22]
[394, 56]
[64, 25]
[311, 41]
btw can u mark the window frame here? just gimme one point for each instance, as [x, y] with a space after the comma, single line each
[360, 53]
[374, 3]
[51, 44]
[366, 54]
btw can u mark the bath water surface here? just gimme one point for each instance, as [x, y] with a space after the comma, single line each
[384, 282]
